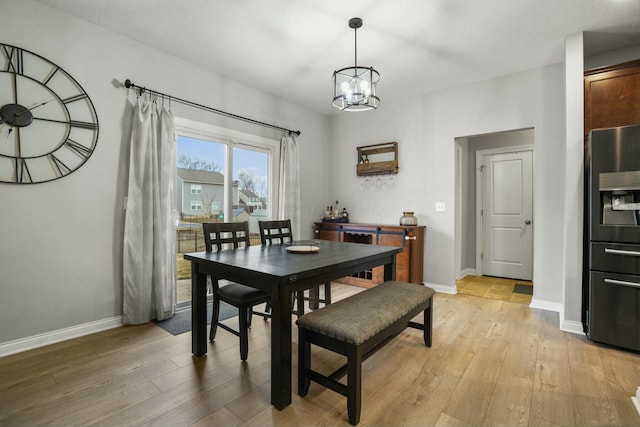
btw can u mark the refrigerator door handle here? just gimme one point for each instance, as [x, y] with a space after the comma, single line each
[621, 252]
[621, 283]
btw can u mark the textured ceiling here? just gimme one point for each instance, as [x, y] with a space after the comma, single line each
[291, 47]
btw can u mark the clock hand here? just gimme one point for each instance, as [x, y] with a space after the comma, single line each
[2, 124]
[33, 107]
[26, 110]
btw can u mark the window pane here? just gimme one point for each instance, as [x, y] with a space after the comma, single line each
[200, 198]
[251, 188]
[200, 189]
[201, 193]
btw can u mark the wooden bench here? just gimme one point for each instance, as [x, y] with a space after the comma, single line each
[357, 327]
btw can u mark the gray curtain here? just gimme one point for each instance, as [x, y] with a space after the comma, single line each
[149, 260]
[289, 182]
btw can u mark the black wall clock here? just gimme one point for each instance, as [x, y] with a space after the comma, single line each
[48, 124]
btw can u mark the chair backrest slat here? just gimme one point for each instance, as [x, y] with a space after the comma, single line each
[220, 234]
[278, 231]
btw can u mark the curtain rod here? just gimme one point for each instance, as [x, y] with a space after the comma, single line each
[129, 84]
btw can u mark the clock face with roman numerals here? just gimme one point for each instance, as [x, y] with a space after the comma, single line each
[48, 124]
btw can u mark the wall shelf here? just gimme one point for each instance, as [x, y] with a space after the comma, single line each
[377, 159]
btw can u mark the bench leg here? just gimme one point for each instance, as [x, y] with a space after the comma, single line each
[354, 384]
[304, 363]
[428, 324]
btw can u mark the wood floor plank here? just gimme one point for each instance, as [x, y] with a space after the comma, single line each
[622, 372]
[97, 407]
[220, 418]
[201, 405]
[510, 402]
[593, 405]
[151, 409]
[48, 405]
[552, 394]
[446, 420]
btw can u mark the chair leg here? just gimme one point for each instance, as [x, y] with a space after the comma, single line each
[300, 301]
[214, 317]
[267, 308]
[294, 303]
[243, 316]
[304, 363]
[314, 298]
[327, 293]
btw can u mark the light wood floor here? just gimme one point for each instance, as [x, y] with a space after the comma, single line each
[492, 363]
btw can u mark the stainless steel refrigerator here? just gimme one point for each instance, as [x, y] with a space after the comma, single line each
[611, 285]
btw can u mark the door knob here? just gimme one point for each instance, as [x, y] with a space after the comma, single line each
[528, 221]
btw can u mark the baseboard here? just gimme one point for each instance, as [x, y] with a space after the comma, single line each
[546, 305]
[467, 272]
[445, 289]
[40, 340]
[565, 325]
[572, 326]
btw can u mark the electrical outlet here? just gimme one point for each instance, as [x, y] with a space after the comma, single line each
[439, 206]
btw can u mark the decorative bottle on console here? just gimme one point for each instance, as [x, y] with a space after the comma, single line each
[408, 218]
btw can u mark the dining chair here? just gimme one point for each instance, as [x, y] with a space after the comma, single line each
[233, 236]
[279, 232]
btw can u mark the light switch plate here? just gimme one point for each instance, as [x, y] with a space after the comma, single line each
[439, 206]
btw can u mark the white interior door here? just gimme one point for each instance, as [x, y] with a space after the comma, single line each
[507, 215]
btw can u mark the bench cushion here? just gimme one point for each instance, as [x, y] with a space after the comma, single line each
[361, 316]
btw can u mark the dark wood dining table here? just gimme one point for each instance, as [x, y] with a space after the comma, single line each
[279, 272]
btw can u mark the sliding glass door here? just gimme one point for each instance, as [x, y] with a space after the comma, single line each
[222, 176]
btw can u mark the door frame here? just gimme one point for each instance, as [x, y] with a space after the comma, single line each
[480, 196]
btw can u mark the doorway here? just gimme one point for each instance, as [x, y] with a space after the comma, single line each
[494, 217]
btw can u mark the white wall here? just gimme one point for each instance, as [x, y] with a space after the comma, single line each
[425, 128]
[60, 242]
[613, 57]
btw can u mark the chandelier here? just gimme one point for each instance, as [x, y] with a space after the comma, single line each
[354, 88]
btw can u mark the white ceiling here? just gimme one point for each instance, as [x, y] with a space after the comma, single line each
[291, 47]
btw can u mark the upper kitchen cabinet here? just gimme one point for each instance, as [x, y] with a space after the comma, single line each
[612, 96]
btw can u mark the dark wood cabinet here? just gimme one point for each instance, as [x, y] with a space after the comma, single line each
[612, 96]
[409, 262]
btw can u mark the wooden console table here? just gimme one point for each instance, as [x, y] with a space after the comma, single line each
[409, 262]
